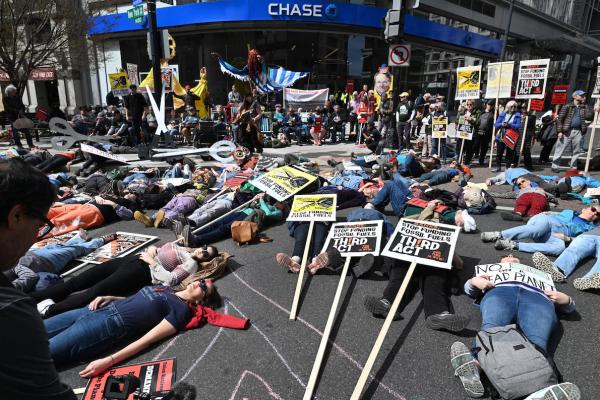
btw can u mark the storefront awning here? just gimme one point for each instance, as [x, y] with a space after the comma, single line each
[38, 74]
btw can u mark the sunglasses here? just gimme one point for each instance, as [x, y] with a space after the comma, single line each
[596, 211]
[202, 283]
[44, 229]
[519, 183]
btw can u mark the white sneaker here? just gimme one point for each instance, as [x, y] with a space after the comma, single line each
[562, 391]
[43, 306]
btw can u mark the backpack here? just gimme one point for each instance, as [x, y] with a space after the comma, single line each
[514, 366]
[244, 232]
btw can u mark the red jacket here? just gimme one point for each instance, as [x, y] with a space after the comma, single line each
[203, 314]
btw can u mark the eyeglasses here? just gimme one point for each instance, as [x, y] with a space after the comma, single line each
[519, 183]
[202, 284]
[596, 211]
[46, 228]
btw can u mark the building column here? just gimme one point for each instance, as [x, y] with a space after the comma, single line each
[32, 100]
[62, 95]
[109, 62]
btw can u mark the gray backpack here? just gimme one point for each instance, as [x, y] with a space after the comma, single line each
[514, 365]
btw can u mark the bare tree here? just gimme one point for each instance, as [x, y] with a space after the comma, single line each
[41, 33]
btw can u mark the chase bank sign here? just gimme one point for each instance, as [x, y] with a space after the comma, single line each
[302, 10]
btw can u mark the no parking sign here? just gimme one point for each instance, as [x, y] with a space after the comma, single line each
[399, 55]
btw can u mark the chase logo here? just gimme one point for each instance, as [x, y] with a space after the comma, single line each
[331, 11]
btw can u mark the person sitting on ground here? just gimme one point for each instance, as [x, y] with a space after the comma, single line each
[149, 316]
[167, 265]
[549, 231]
[534, 311]
[373, 138]
[40, 267]
[531, 200]
[583, 246]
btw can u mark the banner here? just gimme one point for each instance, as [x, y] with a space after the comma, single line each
[132, 73]
[559, 94]
[596, 91]
[92, 150]
[464, 131]
[155, 376]
[516, 273]
[307, 99]
[532, 79]
[355, 239]
[166, 76]
[499, 80]
[283, 182]
[313, 207]
[427, 243]
[125, 244]
[439, 128]
[468, 82]
[384, 83]
[536, 104]
[119, 83]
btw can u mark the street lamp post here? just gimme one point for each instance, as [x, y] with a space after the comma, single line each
[507, 30]
[154, 48]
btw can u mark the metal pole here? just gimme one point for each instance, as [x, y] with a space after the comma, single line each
[154, 48]
[507, 29]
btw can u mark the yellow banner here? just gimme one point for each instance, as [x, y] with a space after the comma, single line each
[439, 128]
[313, 207]
[468, 82]
[283, 182]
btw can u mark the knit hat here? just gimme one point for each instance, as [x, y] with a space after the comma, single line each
[473, 196]
[469, 222]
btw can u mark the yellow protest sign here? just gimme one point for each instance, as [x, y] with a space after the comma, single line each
[468, 82]
[313, 207]
[119, 83]
[283, 182]
[439, 128]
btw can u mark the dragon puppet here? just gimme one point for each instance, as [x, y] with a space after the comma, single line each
[264, 78]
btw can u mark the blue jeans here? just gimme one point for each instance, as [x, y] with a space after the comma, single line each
[60, 254]
[81, 334]
[435, 177]
[531, 311]
[583, 246]
[539, 229]
[219, 229]
[132, 177]
[59, 179]
[396, 192]
[177, 172]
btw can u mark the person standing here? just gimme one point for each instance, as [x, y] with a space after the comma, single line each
[15, 109]
[510, 118]
[483, 133]
[469, 116]
[386, 113]
[403, 125]
[135, 112]
[572, 124]
[549, 136]
[28, 372]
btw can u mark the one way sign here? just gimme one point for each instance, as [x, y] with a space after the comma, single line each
[399, 55]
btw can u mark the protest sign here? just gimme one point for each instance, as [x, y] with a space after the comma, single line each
[154, 376]
[283, 182]
[125, 244]
[92, 150]
[426, 243]
[516, 273]
[532, 79]
[370, 158]
[596, 91]
[350, 166]
[132, 73]
[166, 76]
[590, 192]
[464, 131]
[313, 207]
[64, 238]
[238, 179]
[119, 83]
[559, 94]
[536, 105]
[355, 239]
[468, 82]
[307, 99]
[499, 80]
[439, 128]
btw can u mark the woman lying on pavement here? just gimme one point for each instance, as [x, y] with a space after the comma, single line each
[531, 200]
[534, 311]
[167, 265]
[151, 315]
[39, 268]
[549, 231]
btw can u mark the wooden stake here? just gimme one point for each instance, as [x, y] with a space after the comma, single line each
[591, 143]
[294, 308]
[384, 329]
[314, 374]
[462, 146]
[524, 134]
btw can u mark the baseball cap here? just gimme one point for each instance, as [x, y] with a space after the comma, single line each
[403, 94]
[579, 93]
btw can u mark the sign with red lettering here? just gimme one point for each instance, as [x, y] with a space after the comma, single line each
[533, 75]
[559, 94]
[536, 105]
[355, 239]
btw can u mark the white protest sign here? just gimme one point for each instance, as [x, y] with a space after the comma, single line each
[516, 273]
[355, 239]
[105, 154]
[313, 207]
[464, 131]
[427, 243]
[350, 166]
[370, 158]
[307, 99]
[532, 79]
[596, 91]
[499, 80]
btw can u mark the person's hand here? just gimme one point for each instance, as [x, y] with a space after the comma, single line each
[152, 251]
[557, 297]
[434, 202]
[147, 258]
[99, 200]
[96, 367]
[99, 302]
[481, 282]
[560, 136]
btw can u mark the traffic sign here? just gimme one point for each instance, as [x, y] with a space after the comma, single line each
[136, 13]
[399, 55]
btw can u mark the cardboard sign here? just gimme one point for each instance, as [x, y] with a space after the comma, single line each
[313, 207]
[355, 239]
[132, 73]
[370, 158]
[468, 82]
[427, 243]
[92, 150]
[350, 166]
[439, 128]
[464, 131]
[125, 244]
[238, 180]
[499, 82]
[596, 91]
[590, 192]
[64, 238]
[157, 376]
[119, 83]
[516, 273]
[532, 79]
[536, 105]
[283, 182]
[559, 94]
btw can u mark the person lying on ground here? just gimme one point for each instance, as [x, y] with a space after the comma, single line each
[583, 246]
[396, 192]
[534, 311]
[475, 200]
[40, 267]
[573, 181]
[299, 231]
[60, 160]
[101, 211]
[510, 176]
[167, 265]
[446, 174]
[531, 200]
[149, 316]
[437, 211]
[346, 198]
[550, 232]
[181, 204]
